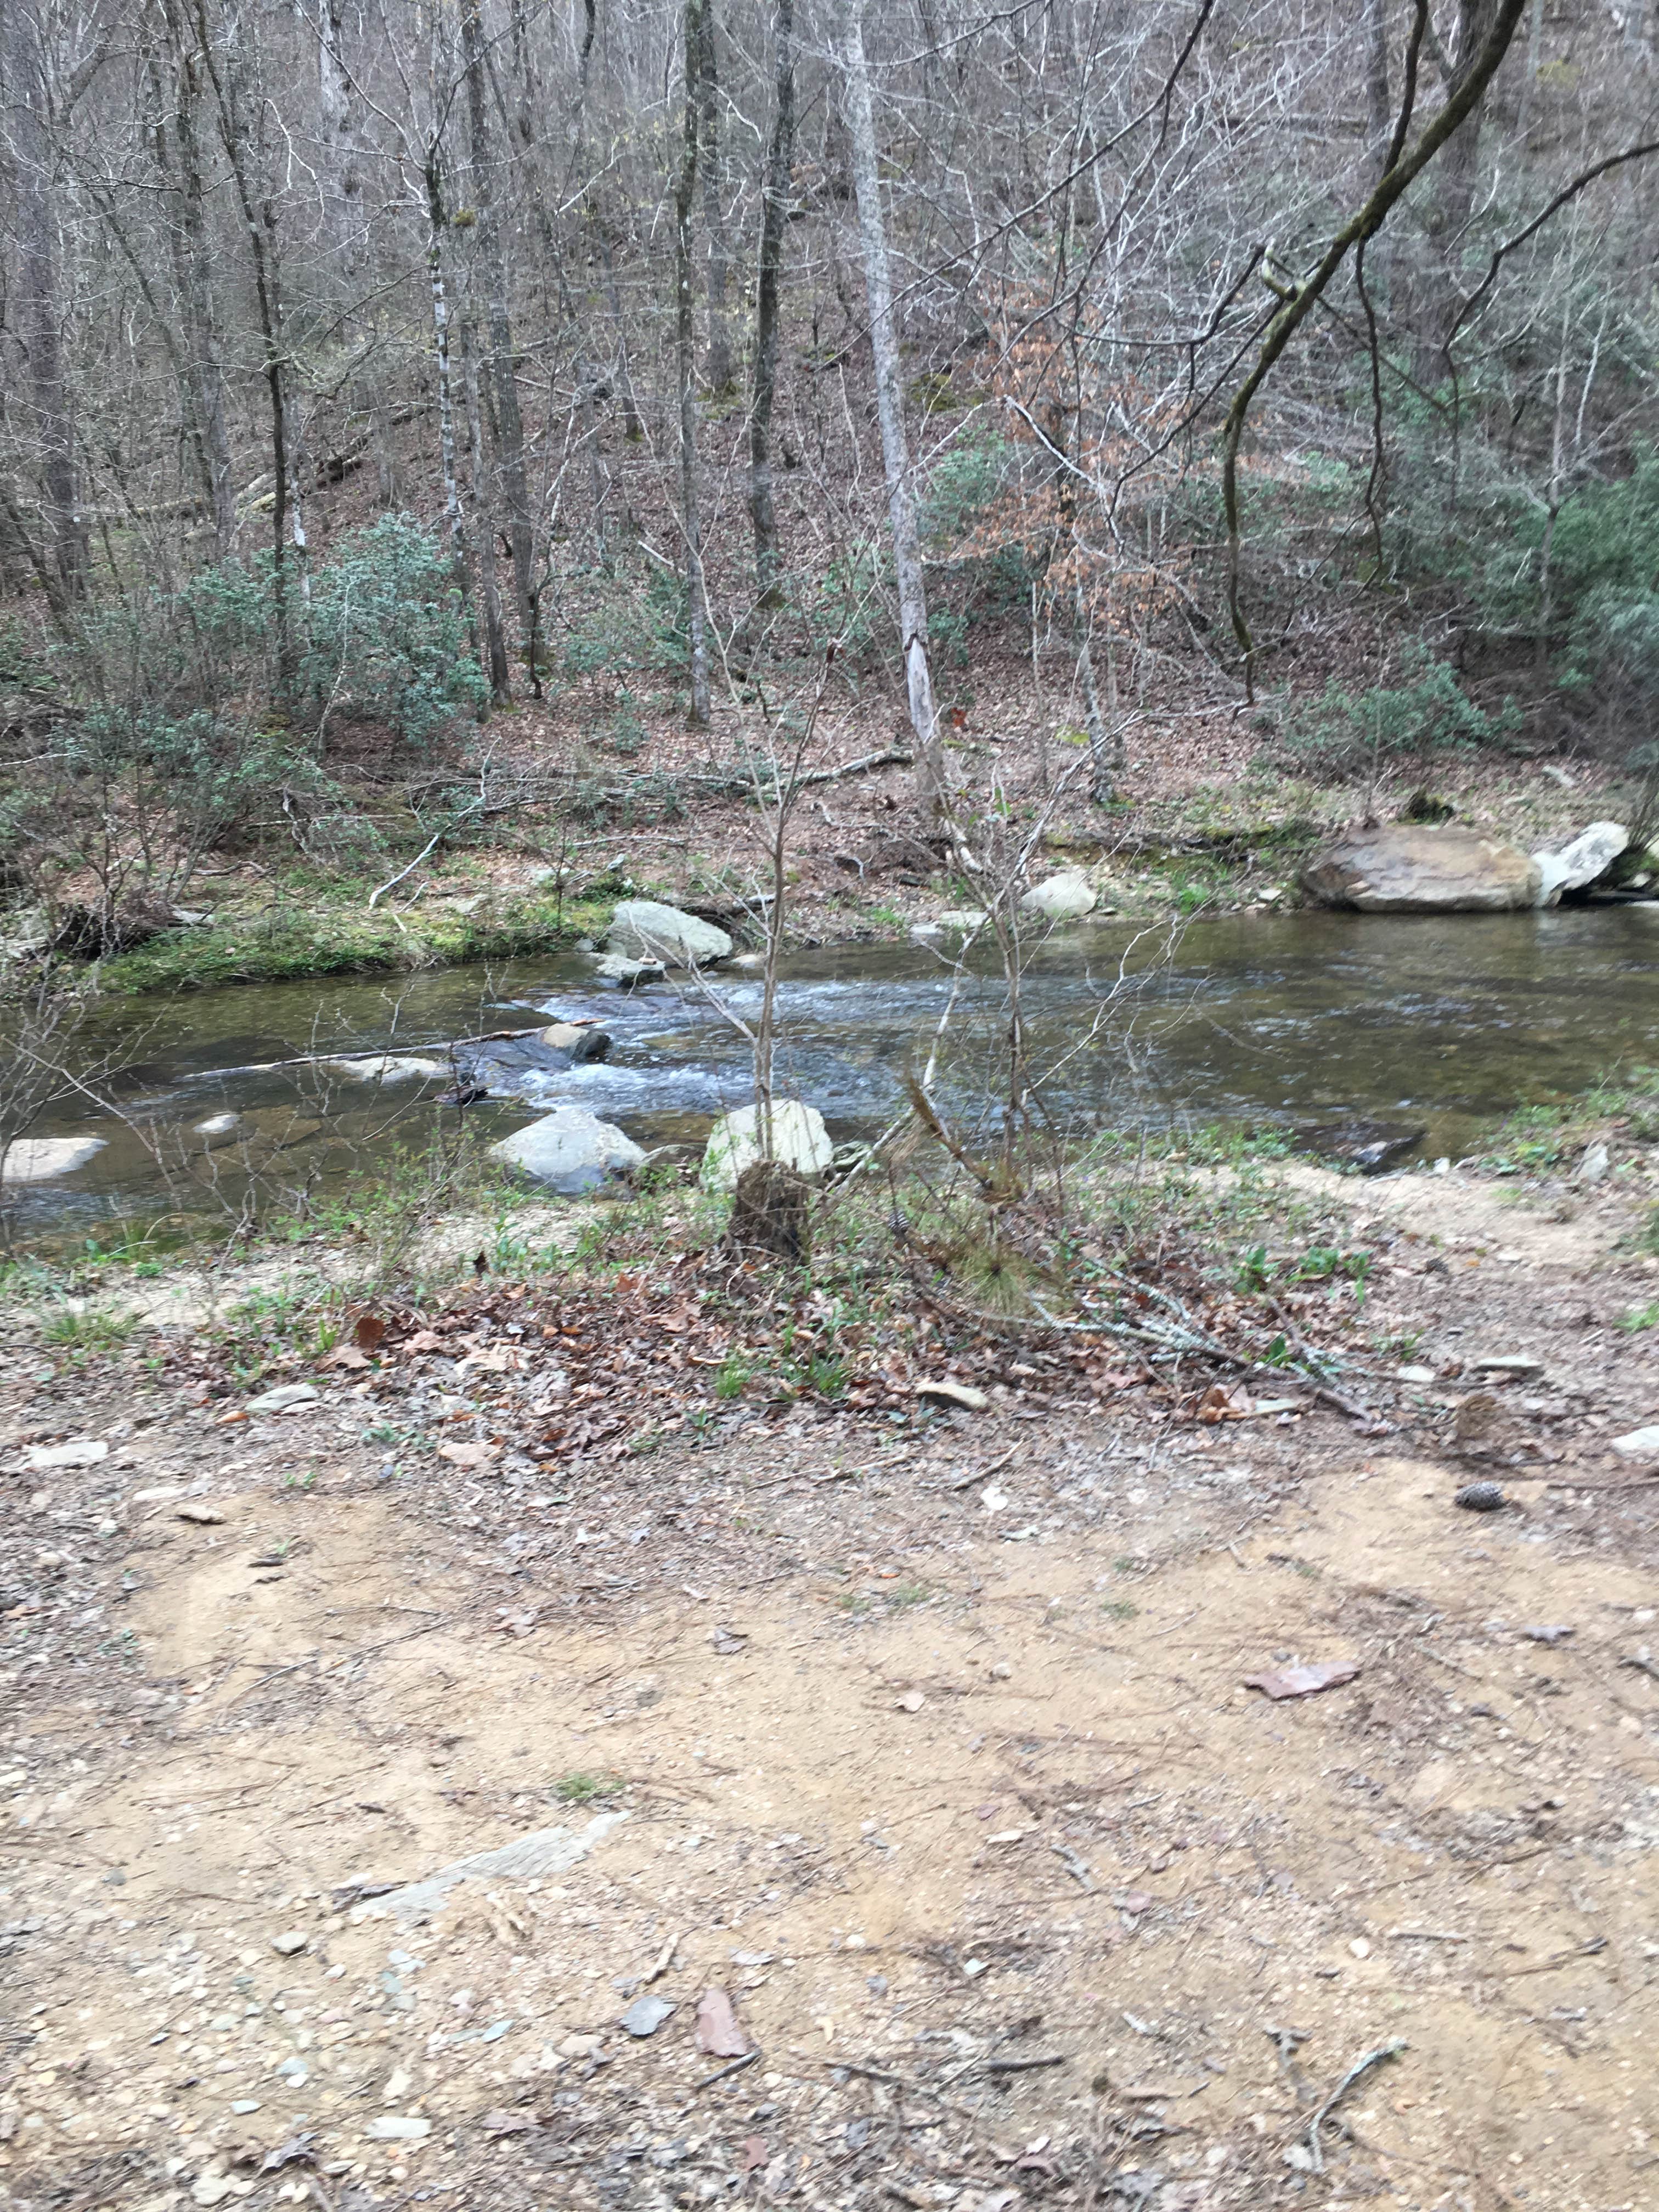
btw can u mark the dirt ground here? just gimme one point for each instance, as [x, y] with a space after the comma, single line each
[924, 1737]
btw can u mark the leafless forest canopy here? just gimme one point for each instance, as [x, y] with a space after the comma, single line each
[364, 362]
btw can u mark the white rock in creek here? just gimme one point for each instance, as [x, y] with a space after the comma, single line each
[570, 1148]
[1590, 855]
[387, 1067]
[1066, 896]
[617, 968]
[218, 1125]
[37, 1159]
[799, 1140]
[643, 929]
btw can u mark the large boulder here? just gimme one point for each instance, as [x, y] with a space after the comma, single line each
[1576, 866]
[1066, 897]
[640, 929]
[570, 1150]
[1405, 868]
[39, 1159]
[799, 1140]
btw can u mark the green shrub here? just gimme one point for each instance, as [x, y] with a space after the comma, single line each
[1343, 733]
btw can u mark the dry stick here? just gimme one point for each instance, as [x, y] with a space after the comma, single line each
[1402, 171]
[736, 2067]
[1360, 2066]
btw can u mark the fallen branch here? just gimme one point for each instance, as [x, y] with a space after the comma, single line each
[1360, 2067]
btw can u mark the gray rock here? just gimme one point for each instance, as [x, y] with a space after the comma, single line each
[1578, 865]
[1404, 867]
[947, 1393]
[38, 1159]
[1065, 897]
[583, 1041]
[284, 1396]
[646, 2015]
[1640, 1444]
[218, 1125]
[570, 1150]
[83, 1451]
[1593, 1167]
[287, 1945]
[617, 968]
[964, 918]
[799, 1140]
[396, 2127]
[543, 1852]
[642, 929]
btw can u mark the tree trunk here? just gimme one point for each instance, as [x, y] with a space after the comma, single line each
[503, 381]
[501, 686]
[774, 209]
[41, 317]
[686, 349]
[889, 406]
[714, 218]
[454, 518]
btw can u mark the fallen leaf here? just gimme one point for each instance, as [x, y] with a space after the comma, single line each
[718, 2033]
[347, 1357]
[1303, 1681]
[227, 1420]
[369, 1331]
[1225, 1401]
[755, 2153]
[911, 1702]
[478, 1455]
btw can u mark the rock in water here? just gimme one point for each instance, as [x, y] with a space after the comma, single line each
[570, 1149]
[581, 1040]
[1401, 868]
[613, 967]
[1371, 1146]
[1578, 865]
[1066, 896]
[37, 1159]
[640, 929]
[799, 1140]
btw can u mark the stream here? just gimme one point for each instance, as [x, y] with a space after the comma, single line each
[1291, 1020]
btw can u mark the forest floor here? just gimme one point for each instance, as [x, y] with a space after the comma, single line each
[922, 1738]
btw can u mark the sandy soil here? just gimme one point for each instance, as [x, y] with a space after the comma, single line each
[926, 1739]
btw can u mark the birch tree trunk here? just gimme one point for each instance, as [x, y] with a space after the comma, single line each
[696, 615]
[774, 209]
[890, 408]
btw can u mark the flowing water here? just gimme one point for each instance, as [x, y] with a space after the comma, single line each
[1291, 1020]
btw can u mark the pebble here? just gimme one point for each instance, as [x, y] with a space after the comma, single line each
[1481, 1498]
[286, 1946]
[646, 2015]
[244, 2105]
[1640, 1444]
[396, 2127]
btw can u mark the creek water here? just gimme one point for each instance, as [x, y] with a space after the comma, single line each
[1268, 1020]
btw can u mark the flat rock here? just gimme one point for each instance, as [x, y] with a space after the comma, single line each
[398, 2127]
[646, 2015]
[288, 1945]
[1640, 1444]
[1403, 868]
[38, 1159]
[1580, 864]
[1369, 1146]
[83, 1451]
[799, 1140]
[617, 968]
[1065, 897]
[570, 1150]
[947, 1393]
[284, 1396]
[642, 929]
[387, 1067]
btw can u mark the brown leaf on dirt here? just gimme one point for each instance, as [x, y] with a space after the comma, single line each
[1303, 1681]
[718, 2033]
[347, 1357]
[476, 1455]
[755, 2153]
[369, 1330]
[424, 1340]
[1225, 1401]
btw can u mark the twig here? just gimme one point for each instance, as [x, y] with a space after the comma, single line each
[1361, 2066]
[1424, 1935]
[980, 1475]
[1027, 2065]
[724, 2072]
